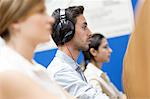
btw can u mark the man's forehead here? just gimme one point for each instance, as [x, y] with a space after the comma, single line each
[81, 19]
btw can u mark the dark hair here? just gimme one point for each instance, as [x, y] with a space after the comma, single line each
[5, 35]
[96, 40]
[60, 32]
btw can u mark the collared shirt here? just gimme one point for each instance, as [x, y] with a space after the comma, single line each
[99, 80]
[63, 71]
[10, 60]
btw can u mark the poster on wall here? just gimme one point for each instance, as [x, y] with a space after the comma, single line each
[110, 17]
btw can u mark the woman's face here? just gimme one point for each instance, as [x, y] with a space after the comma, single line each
[36, 27]
[103, 52]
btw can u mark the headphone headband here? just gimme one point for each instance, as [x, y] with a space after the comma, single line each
[62, 13]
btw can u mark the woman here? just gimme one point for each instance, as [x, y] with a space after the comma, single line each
[98, 53]
[24, 24]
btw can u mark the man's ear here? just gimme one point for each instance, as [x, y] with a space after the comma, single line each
[93, 51]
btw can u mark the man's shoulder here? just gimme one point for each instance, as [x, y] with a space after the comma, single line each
[58, 65]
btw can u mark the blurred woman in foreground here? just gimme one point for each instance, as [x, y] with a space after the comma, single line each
[23, 25]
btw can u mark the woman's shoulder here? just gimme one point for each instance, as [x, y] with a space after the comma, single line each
[92, 70]
[15, 84]
[13, 80]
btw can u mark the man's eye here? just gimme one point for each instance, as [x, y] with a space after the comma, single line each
[106, 47]
[84, 27]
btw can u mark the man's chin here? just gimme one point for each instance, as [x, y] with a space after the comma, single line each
[85, 48]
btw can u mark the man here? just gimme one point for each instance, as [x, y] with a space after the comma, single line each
[71, 35]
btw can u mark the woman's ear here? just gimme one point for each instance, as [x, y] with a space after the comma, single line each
[93, 51]
[15, 26]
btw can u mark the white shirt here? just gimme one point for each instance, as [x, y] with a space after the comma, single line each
[63, 70]
[103, 84]
[11, 60]
[2, 42]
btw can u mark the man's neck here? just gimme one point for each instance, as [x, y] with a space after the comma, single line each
[70, 51]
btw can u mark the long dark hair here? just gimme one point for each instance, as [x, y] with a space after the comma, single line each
[95, 43]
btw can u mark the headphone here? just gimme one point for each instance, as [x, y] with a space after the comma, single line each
[64, 27]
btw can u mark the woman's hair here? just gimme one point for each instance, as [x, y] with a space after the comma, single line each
[95, 43]
[11, 11]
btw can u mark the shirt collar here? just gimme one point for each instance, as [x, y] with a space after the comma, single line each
[67, 59]
[93, 68]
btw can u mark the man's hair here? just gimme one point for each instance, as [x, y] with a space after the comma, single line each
[61, 31]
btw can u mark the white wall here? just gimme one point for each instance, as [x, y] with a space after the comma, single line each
[112, 18]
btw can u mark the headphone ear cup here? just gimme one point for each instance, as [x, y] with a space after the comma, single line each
[57, 32]
[70, 30]
[63, 29]
[67, 37]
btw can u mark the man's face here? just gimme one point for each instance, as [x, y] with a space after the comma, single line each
[82, 35]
